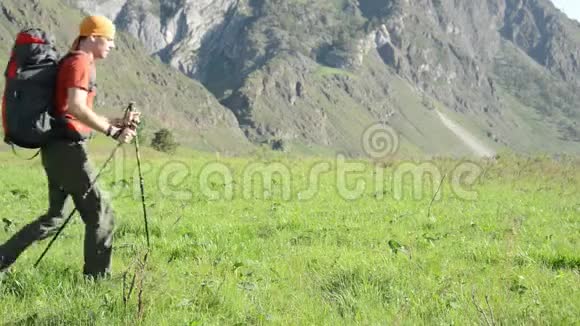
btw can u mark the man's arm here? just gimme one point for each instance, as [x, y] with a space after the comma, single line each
[77, 107]
[77, 99]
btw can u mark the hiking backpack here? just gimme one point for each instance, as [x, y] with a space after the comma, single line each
[28, 98]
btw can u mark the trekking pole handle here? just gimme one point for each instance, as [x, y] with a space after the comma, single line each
[130, 108]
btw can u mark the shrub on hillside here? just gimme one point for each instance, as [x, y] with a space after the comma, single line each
[164, 141]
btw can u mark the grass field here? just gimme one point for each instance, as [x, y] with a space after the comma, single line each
[500, 249]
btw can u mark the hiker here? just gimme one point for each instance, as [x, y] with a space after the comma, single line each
[65, 158]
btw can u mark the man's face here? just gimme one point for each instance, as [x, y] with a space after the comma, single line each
[102, 46]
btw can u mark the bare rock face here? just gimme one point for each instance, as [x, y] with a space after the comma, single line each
[445, 48]
[545, 35]
[427, 41]
[180, 32]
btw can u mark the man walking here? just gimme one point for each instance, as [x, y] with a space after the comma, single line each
[65, 159]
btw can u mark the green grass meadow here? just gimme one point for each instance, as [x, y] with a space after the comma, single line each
[509, 256]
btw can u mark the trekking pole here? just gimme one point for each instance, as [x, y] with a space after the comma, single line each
[92, 184]
[141, 184]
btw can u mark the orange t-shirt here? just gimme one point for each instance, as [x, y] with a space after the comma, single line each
[77, 70]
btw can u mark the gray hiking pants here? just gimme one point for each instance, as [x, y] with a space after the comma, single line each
[70, 174]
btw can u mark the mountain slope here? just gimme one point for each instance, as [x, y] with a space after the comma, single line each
[167, 98]
[315, 74]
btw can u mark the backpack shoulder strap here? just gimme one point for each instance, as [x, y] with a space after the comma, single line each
[24, 158]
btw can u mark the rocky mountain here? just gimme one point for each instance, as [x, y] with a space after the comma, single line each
[449, 76]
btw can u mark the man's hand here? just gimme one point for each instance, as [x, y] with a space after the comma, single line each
[126, 135]
[125, 129]
[122, 135]
[131, 120]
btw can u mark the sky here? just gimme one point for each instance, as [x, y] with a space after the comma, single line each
[570, 7]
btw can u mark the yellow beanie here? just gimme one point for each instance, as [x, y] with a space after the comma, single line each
[97, 26]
